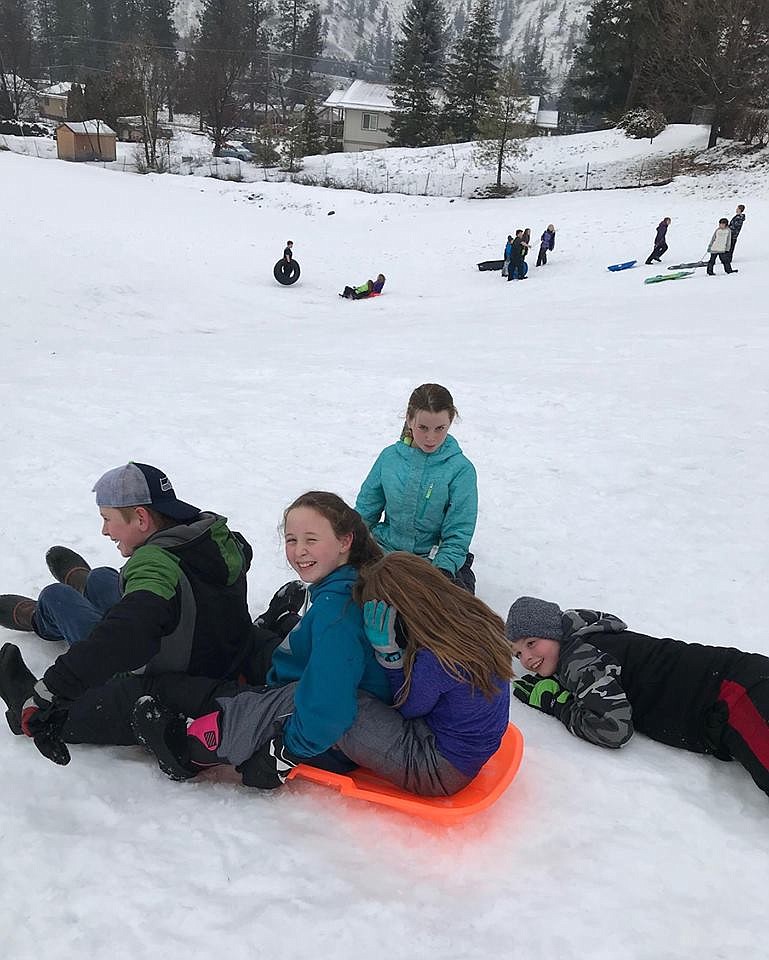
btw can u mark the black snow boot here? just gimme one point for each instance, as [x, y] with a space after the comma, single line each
[164, 733]
[16, 612]
[16, 684]
[68, 567]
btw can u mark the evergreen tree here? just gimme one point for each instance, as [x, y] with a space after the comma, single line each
[15, 55]
[313, 139]
[417, 70]
[471, 74]
[503, 125]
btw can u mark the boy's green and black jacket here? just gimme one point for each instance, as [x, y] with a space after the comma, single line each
[183, 609]
[664, 688]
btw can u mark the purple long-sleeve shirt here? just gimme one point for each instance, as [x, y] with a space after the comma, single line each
[467, 727]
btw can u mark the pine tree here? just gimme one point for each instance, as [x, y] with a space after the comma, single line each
[15, 55]
[503, 125]
[312, 132]
[417, 70]
[471, 74]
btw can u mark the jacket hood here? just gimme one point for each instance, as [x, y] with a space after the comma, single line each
[578, 624]
[206, 546]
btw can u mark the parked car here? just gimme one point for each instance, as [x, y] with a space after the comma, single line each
[235, 151]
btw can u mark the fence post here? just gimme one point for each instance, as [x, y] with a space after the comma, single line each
[427, 182]
[587, 174]
[357, 178]
[462, 184]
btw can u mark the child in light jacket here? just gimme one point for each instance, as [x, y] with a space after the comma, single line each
[720, 246]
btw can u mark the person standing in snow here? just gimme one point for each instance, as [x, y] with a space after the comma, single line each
[516, 257]
[720, 246]
[507, 256]
[736, 224]
[660, 241]
[546, 244]
[421, 495]
[603, 681]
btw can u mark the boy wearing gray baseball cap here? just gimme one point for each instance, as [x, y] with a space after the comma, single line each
[177, 605]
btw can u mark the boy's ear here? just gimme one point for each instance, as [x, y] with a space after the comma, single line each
[145, 520]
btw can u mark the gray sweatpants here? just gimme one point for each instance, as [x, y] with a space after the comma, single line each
[402, 751]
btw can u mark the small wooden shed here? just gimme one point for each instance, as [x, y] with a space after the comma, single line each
[88, 140]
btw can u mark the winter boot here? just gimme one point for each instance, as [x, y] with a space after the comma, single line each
[16, 612]
[68, 567]
[16, 684]
[164, 733]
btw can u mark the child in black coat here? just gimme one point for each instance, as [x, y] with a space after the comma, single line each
[603, 681]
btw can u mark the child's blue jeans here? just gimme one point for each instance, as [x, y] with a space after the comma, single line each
[63, 613]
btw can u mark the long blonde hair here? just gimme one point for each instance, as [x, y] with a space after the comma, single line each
[465, 635]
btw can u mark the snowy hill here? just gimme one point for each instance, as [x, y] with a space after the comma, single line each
[620, 436]
[554, 25]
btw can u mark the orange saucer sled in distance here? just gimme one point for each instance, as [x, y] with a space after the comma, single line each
[494, 778]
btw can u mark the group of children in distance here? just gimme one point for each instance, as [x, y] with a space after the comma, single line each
[380, 655]
[514, 266]
[721, 245]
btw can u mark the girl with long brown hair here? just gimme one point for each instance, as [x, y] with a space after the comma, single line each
[449, 666]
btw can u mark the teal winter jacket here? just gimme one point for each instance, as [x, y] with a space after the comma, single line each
[429, 500]
[327, 652]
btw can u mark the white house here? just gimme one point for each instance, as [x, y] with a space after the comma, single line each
[53, 102]
[366, 109]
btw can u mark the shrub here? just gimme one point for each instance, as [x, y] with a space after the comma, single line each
[642, 122]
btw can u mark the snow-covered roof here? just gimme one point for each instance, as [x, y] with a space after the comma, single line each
[547, 119]
[57, 90]
[362, 95]
[91, 127]
[333, 99]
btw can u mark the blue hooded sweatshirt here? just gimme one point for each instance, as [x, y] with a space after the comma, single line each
[328, 653]
[429, 500]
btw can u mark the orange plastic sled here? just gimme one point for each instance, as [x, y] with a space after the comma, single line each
[495, 777]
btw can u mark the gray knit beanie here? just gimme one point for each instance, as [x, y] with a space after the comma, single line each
[530, 617]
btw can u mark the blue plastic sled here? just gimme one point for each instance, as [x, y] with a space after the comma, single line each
[622, 266]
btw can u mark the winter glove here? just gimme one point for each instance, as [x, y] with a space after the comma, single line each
[379, 623]
[546, 694]
[282, 615]
[268, 768]
[42, 719]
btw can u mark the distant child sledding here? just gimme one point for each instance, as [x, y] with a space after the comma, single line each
[660, 241]
[371, 288]
[603, 681]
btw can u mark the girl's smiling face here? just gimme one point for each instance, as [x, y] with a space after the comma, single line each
[312, 547]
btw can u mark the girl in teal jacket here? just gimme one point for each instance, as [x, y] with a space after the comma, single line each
[426, 488]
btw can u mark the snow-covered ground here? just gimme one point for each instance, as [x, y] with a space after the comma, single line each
[606, 159]
[620, 433]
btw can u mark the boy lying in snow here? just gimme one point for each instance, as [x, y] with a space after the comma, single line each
[602, 681]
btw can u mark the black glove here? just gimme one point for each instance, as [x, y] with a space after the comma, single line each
[269, 766]
[42, 719]
[282, 615]
[544, 694]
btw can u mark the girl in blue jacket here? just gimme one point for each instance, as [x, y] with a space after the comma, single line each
[421, 495]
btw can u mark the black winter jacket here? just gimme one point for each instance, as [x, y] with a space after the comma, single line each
[183, 609]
